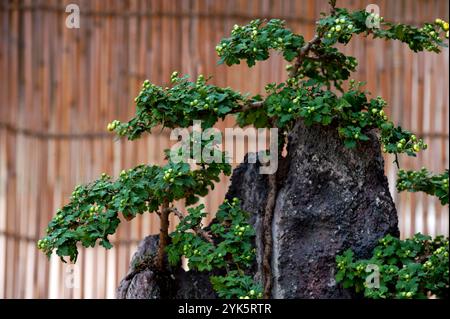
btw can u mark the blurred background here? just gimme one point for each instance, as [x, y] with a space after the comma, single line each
[59, 88]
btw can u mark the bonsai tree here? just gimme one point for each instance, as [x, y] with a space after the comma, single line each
[318, 91]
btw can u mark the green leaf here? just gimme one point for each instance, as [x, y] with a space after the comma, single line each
[105, 243]
[350, 143]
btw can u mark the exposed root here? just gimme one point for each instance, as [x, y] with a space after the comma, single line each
[267, 237]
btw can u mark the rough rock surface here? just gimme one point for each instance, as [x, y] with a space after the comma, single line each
[144, 282]
[141, 281]
[330, 198]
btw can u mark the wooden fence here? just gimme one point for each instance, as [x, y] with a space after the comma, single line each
[59, 87]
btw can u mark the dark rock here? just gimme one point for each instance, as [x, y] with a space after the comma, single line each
[141, 281]
[330, 198]
[144, 282]
[193, 285]
[143, 285]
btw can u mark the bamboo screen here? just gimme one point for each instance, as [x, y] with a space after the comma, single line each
[59, 87]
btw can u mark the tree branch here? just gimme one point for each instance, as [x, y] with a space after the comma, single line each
[333, 6]
[304, 51]
[302, 54]
[163, 236]
[199, 231]
[396, 161]
[267, 235]
[250, 106]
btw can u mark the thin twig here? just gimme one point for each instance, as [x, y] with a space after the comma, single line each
[50, 135]
[199, 231]
[302, 54]
[396, 161]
